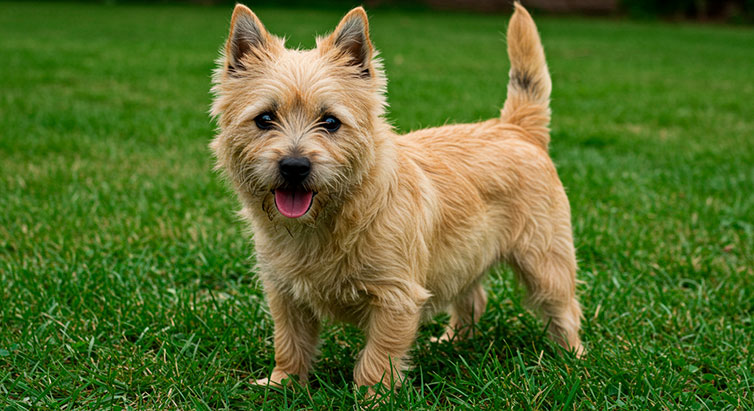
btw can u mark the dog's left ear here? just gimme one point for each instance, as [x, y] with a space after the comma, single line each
[351, 39]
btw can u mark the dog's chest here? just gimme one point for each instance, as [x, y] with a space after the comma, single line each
[339, 300]
[331, 288]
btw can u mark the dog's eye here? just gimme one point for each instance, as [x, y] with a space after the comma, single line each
[264, 121]
[330, 123]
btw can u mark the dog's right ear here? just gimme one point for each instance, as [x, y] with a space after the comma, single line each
[248, 39]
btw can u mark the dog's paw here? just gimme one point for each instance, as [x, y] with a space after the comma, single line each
[449, 335]
[441, 339]
[264, 382]
[276, 379]
[579, 351]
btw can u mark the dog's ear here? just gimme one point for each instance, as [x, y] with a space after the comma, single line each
[351, 40]
[248, 37]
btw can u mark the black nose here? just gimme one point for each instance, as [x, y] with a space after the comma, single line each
[295, 169]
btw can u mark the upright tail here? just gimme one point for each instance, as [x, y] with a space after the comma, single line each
[529, 85]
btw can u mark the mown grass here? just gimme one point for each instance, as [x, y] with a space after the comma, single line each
[126, 279]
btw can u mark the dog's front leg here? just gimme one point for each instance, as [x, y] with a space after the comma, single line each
[296, 334]
[390, 333]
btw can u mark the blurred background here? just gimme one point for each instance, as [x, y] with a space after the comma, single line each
[127, 279]
[733, 11]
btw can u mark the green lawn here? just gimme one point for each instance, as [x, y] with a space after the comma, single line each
[126, 278]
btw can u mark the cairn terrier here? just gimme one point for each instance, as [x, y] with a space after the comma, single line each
[353, 222]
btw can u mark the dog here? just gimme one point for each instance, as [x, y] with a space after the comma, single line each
[353, 222]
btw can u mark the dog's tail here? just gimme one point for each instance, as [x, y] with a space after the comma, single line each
[529, 84]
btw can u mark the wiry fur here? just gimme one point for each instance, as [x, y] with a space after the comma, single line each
[402, 225]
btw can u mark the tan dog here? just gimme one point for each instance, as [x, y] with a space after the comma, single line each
[355, 223]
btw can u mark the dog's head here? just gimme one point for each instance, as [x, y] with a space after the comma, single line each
[297, 126]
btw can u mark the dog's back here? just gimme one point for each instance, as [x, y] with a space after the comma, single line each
[494, 193]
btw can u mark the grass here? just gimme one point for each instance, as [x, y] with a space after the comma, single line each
[126, 279]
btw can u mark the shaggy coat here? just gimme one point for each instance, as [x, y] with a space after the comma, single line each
[399, 226]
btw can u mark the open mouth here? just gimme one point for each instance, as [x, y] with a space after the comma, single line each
[293, 202]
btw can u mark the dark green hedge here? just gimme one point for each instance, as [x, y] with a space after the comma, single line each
[727, 10]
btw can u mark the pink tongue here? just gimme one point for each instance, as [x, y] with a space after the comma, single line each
[293, 203]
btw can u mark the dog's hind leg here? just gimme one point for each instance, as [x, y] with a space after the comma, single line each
[465, 312]
[550, 279]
